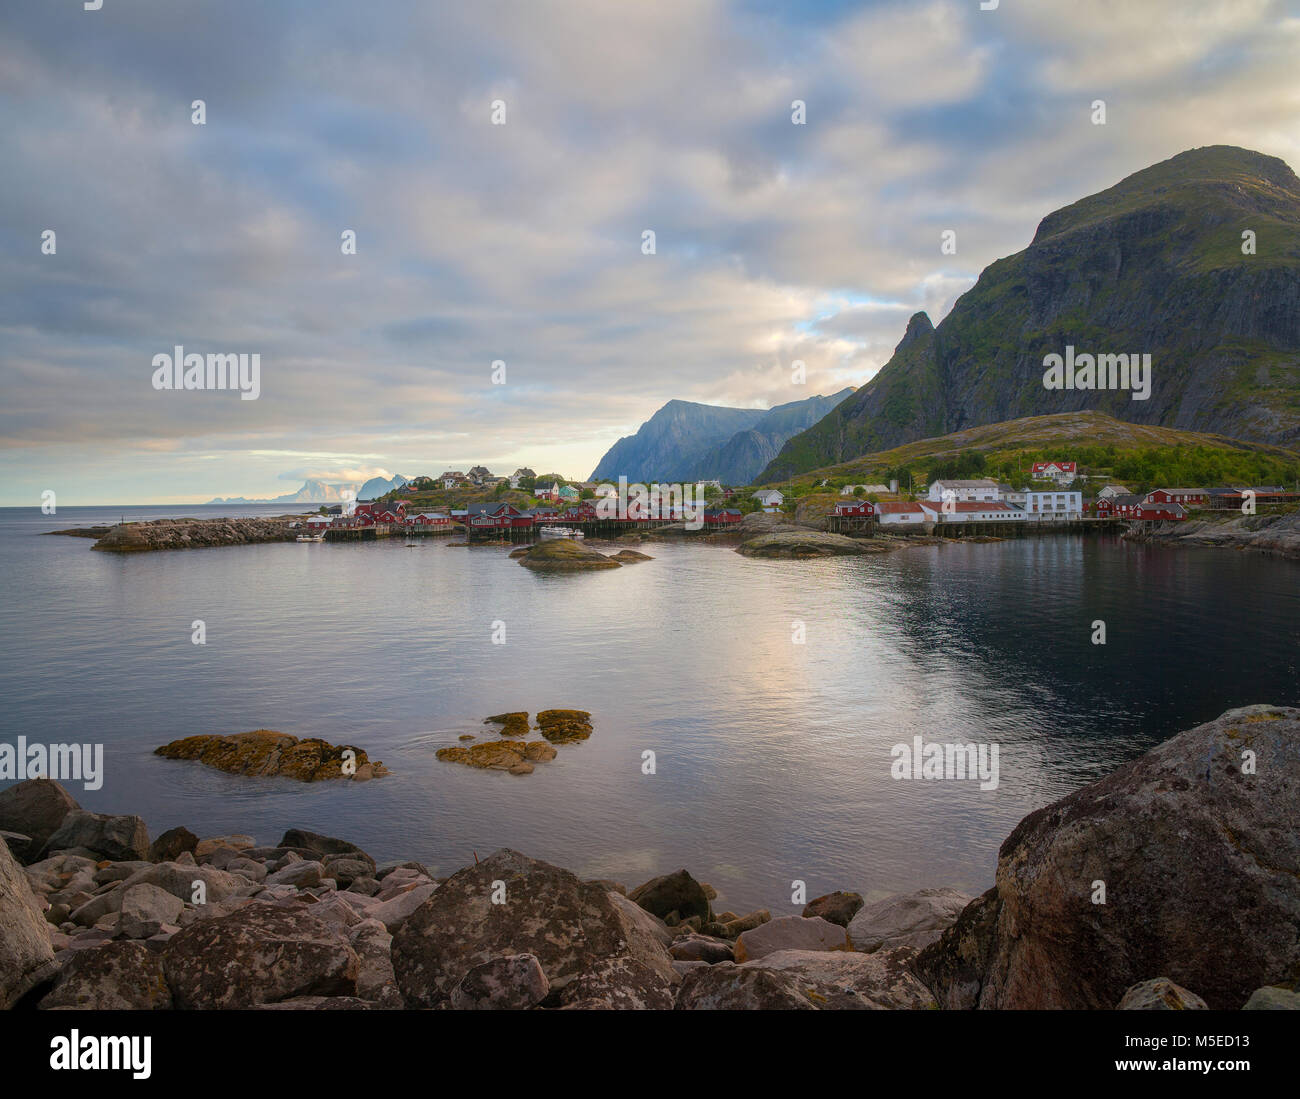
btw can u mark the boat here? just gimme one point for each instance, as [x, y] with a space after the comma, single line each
[559, 532]
[311, 538]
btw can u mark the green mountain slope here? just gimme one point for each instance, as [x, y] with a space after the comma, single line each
[1152, 265]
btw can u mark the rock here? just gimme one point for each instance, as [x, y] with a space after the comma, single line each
[496, 755]
[621, 984]
[735, 928]
[881, 979]
[119, 871]
[215, 843]
[36, 808]
[145, 909]
[906, 919]
[729, 987]
[301, 875]
[266, 752]
[791, 933]
[345, 869]
[178, 879]
[172, 844]
[1274, 998]
[702, 948]
[512, 724]
[395, 912]
[20, 846]
[678, 893]
[99, 906]
[259, 954]
[26, 958]
[565, 555]
[564, 726]
[373, 946]
[1160, 994]
[797, 544]
[119, 976]
[111, 837]
[837, 907]
[302, 841]
[510, 982]
[638, 919]
[1202, 868]
[566, 923]
[628, 557]
[247, 868]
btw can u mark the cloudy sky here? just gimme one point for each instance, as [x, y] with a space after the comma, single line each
[522, 242]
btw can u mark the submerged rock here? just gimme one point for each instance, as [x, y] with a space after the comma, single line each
[627, 556]
[498, 755]
[512, 724]
[564, 726]
[1197, 844]
[266, 752]
[565, 554]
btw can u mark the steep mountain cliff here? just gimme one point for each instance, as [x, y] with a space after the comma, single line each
[1154, 265]
[685, 441]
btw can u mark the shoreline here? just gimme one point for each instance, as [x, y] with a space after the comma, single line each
[100, 917]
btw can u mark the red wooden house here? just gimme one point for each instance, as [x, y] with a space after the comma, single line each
[1158, 512]
[854, 507]
[1188, 497]
[721, 517]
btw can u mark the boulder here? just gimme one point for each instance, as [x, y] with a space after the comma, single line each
[145, 909]
[568, 924]
[906, 919]
[510, 982]
[26, 958]
[564, 726]
[257, 955]
[118, 837]
[1274, 998]
[35, 808]
[301, 875]
[178, 879]
[882, 979]
[1198, 846]
[120, 976]
[1160, 994]
[373, 945]
[702, 948]
[211, 844]
[172, 844]
[301, 840]
[621, 984]
[395, 911]
[265, 752]
[729, 987]
[791, 933]
[20, 846]
[837, 907]
[678, 893]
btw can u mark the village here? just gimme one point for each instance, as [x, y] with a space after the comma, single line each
[1052, 500]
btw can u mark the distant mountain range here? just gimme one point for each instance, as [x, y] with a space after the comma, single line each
[318, 492]
[685, 441]
[1195, 261]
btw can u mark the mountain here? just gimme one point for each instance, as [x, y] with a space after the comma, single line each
[378, 486]
[685, 441]
[318, 492]
[1152, 265]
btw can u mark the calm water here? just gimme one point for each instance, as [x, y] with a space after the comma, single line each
[773, 757]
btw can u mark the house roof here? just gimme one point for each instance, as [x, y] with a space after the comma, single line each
[978, 482]
[1064, 467]
[898, 507]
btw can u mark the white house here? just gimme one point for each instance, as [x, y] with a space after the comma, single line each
[902, 513]
[769, 499]
[1013, 496]
[1054, 505]
[1060, 472]
[972, 511]
[983, 490]
[1109, 491]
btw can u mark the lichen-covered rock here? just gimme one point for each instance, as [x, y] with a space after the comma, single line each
[882, 979]
[906, 919]
[568, 924]
[1273, 998]
[493, 755]
[628, 557]
[621, 984]
[172, 844]
[264, 752]
[35, 808]
[838, 907]
[514, 723]
[564, 726]
[511, 982]
[1198, 846]
[1160, 994]
[677, 892]
[145, 909]
[259, 954]
[121, 976]
[26, 957]
[179, 878]
[791, 933]
[729, 987]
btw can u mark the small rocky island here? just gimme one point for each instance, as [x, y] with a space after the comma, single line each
[565, 555]
[1201, 854]
[518, 756]
[166, 534]
[796, 544]
[264, 752]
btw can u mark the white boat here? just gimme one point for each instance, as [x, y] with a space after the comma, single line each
[559, 532]
[311, 538]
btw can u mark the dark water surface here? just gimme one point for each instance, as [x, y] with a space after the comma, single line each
[773, 758]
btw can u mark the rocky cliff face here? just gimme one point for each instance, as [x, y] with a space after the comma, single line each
[1152, 266]
[684, 441]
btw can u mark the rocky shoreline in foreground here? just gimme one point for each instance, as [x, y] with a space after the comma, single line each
[1172, 883]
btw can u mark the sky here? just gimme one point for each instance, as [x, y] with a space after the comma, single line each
[519, 239]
